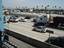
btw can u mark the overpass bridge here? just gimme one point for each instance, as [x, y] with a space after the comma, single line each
[34, 14]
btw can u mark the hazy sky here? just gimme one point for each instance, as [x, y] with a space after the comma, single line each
[32, 3]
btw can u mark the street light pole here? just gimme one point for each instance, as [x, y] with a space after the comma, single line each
[50, 32]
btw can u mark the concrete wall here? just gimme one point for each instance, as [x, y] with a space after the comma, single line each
[30, 41]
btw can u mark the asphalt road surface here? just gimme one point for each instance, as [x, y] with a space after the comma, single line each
[25, 28]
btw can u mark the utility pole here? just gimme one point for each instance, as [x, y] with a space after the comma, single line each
[50, 32]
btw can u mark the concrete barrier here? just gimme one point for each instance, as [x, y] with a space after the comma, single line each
[31, 41]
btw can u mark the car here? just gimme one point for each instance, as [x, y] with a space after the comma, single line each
[27, 17]
[19, 19]
[22, 20]
[34, 20]
[39, 24]
[39, 28]
[12, 19]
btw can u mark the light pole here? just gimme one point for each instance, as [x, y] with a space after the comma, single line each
[50, 32]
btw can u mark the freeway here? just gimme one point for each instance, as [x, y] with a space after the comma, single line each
[25, 29]
[34, 14]
[23, 32]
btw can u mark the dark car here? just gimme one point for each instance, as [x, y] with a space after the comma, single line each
[12, 19]
[27, 17]
[39, 24]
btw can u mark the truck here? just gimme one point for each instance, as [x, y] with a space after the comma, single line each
[56, 21]
[40, 23]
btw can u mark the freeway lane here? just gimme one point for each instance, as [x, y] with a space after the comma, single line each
[57, 32]
[23, 31]
[26, 29]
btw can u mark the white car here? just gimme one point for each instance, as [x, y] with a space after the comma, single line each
[39, 28]
[25, 20]
[21, 19]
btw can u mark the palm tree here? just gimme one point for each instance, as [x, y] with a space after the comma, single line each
[55, 6]
[45, 8]
[47, 5]
[59, 7]
[37, 6]
[42, 6]
[52, 7]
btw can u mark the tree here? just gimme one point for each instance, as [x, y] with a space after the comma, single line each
[59, 7]
[37, 6]
[42, 6]
[47, 5]
[55, 6]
